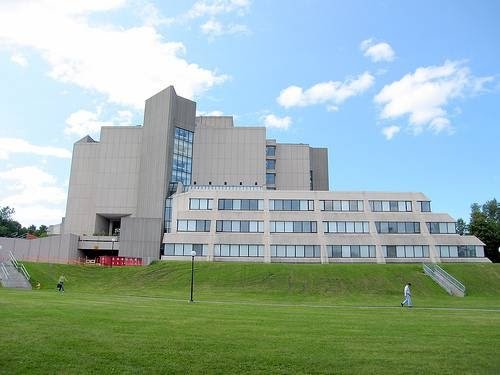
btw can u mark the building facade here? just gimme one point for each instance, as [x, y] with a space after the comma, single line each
[181, 183]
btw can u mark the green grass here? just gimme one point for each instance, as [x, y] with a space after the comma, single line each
[250, 318]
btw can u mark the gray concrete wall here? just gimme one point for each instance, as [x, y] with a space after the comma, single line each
[54, 249]
[319, 166]
[223, 154]
[292, 167]
[141, 237]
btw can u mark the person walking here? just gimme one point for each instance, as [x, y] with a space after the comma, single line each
[60, 283]
[407, 295]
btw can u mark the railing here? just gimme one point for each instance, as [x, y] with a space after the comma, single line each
[444, 279]
[4, 271]
[19, 266]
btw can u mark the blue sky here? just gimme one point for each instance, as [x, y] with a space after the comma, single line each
[404, 95]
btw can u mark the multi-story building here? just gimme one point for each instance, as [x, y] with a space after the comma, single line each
[181, 183]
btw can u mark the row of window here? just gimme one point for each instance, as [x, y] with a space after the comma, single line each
[346, 227]
[295, 204]
[350, 251]
[295, 251]
[291, 205]
[390, 206]
[442, 228]
[397, 226]
[340, 205]
[241, 226]
[238, 250]
[462, 251]
[313, 251]
[249, 226]
[241, 204]
[293, 227]
[405, 251]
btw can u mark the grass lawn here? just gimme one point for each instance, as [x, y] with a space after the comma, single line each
[250, 319]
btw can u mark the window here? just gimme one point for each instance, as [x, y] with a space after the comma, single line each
[453, 251]
[270, 164]
[241, 226]
[241, 204]
[296, 251]
[390, 206]
[339, 205]
[405, 251]
[346, 227]
[397, 227]
[238, 250]
[193, 225]
[293, 227]
[270, 150]
[291, 205]
[184, 249]
[441, 228]
[425, 206]
[200, 204]
[270, 178]
[351, 251]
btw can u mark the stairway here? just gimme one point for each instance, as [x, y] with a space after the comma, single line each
[445, 280]
[10, 277]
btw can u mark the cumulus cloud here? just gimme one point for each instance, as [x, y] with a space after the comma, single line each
[332, 92]
[10, 146]
[273, 121]
[424, 94]
[19, 59]
[213, 29]
[83, 122]
[377, 52]
[390, 131]
[34, 194]
[125, 64]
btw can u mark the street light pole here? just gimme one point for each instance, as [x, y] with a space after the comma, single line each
[193, 253]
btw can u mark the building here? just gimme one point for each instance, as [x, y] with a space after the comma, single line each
[182, 183]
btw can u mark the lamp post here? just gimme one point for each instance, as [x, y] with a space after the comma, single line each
[193, 254]
[113, 243]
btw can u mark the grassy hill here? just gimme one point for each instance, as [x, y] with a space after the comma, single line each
[250, 318]
[331, 283]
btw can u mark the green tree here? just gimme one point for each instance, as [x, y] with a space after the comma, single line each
[485, 225]
[11, 228]
[462, 227]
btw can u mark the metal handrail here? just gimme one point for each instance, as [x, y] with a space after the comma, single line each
[4, 270]
[434, 270]
[19, 266]
[451, 279]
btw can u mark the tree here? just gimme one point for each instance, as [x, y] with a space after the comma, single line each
[485, 225]
[11, 228]
[462, 227]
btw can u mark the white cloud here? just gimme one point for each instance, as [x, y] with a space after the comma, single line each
[377, 52]
[34, 194]
[83, 122]
[20, 146]
[125, 64]
[331, 92]
[209, 113]
[19, 59]
[213, 28]
[424, 95]
[272, 121]
[217, 7]
[390, 131]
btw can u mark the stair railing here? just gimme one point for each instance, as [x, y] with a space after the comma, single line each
[19, 266]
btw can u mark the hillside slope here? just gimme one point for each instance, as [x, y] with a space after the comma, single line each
[370, 284]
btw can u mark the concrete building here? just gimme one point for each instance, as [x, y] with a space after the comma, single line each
[181, 183]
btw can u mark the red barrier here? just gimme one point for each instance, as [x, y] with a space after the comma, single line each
[114, 261]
